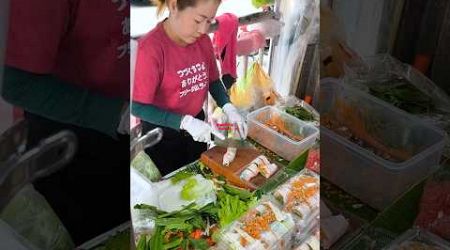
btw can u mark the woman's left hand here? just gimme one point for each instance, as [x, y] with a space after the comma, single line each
[235, 118]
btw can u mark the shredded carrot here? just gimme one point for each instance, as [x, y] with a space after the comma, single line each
[300, 193]
[255, 225]
[196, 234]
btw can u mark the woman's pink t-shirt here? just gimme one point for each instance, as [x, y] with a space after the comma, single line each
[173, 77]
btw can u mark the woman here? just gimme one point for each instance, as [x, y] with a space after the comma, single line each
[175, 69]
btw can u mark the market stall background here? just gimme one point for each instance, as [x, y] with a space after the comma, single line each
[386, 52]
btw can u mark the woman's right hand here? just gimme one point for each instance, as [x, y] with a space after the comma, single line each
[198, 129]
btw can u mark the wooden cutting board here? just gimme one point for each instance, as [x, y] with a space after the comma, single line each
[213, 159]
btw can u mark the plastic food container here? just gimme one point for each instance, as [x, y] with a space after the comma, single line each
[388, 73]
[304, 211]
[280, 144]
[305, 182]
[418, 239]
[358, 170]
[277, 236]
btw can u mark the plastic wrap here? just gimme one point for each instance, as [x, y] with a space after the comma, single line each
[30, 216]
[263, 227]
[300, 195]
[300, 20]
[292, 101]
[418, 239]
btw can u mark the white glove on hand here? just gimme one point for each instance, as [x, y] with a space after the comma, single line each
[124, 125]
[229, 156]
[198, 129]
[235, 118]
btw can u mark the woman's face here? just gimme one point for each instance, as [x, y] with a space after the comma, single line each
[192, 22]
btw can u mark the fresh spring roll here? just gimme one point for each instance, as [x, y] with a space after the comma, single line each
[247, 174]
[314, 201]
[281, 194]
[302, 210]
[279, 216]
[254, 168]
[278, 229]
[267, 170]
[268, 239]
[264, 160]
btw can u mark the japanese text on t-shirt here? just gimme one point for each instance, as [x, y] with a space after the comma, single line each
[124, 48]
[192, 79]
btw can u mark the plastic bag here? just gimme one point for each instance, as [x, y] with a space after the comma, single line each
[255, 90]
[383, 69]
[11, 240]
[261, 3]
[142, 191]
[144, 164]
[334, 50]
[242, 94]
[292, 101]
[29, 214]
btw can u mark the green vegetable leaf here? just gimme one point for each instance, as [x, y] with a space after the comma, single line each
[300, 113]
[173, 244]
[182, 175]
[185, 244]
[197, 222]
[142, 243]
[149, 207]
[186, 211]
[200, 244]
[187, 193]
[299, 163]
[156, 242]
[243, 194]
[231, 208]
[144, 206]
[171, 221]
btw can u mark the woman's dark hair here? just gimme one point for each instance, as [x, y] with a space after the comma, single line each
[181, 4]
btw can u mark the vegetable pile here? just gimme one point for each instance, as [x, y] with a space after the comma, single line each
[300, 112]
[193, 226]
[188, 228]
[403, 95]
[233, 203]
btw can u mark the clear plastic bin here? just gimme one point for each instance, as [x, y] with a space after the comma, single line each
[276, 142]
[362, 173]
[418, 237]
[382, 73]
